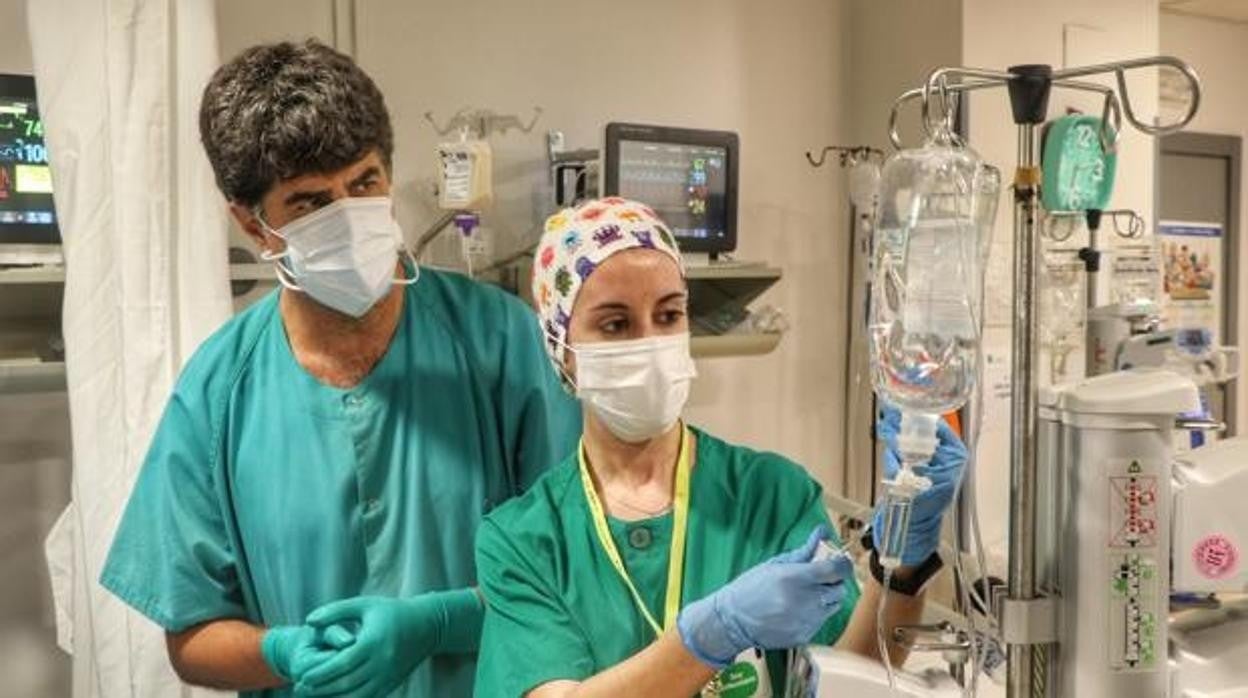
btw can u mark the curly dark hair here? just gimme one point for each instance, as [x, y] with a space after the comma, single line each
[281, 110]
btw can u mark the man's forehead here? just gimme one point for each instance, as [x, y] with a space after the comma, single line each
[318, 182]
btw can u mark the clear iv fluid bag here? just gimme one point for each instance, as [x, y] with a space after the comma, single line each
[934, 222]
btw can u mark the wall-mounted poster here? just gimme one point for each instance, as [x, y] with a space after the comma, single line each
[1192, 282]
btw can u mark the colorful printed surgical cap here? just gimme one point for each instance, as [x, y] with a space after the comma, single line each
[578, 240]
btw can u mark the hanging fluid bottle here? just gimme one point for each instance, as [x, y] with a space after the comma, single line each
[934, 222]
[936, 211]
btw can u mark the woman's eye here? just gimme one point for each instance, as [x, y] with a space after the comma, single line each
[613, 326]
[670, 317]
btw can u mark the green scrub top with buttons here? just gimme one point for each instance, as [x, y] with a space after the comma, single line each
[559, 610]
[266, 493]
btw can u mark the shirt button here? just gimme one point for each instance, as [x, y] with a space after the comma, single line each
[353, 400]
[371, 505]
[640, 538]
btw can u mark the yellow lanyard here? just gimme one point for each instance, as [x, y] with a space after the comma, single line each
[680, 523]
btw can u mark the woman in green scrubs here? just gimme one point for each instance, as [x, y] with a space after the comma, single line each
[653, 561]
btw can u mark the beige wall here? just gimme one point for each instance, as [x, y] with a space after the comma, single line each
[243, 23]
[15, 46]
[771, 71]
[1219, 53]
[894, 45]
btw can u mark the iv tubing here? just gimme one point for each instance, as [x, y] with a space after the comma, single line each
[880, 633]
[966, 591]
[917, 443]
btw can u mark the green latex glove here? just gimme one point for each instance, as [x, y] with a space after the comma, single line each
[392, 637]
[291, 649]
[335, 637]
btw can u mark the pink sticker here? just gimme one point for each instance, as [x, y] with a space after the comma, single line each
[1216, 557]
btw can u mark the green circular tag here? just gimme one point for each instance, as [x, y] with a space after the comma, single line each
[738, 681]
[1078, 173]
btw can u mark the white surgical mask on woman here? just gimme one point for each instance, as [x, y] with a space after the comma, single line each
[343, 254]
[638, 387]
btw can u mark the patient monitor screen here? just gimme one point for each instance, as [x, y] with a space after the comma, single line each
[26, 211]
[685, 184]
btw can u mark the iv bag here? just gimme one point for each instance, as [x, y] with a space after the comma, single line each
[464, 174]
[1063, 306]
[934, 224]
[864, 184]
[1136, 271]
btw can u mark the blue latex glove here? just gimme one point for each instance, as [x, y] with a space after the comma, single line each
[289, 650]
[774, 605]
[944, 470]
[391, 638]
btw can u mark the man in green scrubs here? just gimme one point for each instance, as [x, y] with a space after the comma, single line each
[331, 450]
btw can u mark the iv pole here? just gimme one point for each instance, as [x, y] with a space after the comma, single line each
[1027, 617]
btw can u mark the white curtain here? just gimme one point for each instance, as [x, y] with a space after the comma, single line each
[147, 279]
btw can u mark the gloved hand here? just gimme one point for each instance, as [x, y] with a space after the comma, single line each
[944, 470]
[289, 650]
[392, 637]
[777, 604]
[335, 637]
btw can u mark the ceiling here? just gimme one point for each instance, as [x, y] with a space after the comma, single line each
[1225, 10]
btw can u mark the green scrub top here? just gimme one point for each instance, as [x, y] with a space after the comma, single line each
[559, 610]
[266, 494]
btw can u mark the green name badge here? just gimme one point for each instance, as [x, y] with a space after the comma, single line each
[1078, 173]
[739, 681]
[746, 677]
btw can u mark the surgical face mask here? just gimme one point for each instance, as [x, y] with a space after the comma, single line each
[638, 388]
[342, 255]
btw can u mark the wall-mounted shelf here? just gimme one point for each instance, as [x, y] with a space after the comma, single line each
[32, 275]
[259, 271]
[727, 288]
[712, 346]
[712, 288]
[719, 296]
[732, 270]
[56, 275]
[21, 376]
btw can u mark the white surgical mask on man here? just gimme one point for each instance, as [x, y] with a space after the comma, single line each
[343, 254]
[638, 388]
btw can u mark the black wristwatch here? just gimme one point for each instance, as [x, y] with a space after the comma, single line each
[912, 585]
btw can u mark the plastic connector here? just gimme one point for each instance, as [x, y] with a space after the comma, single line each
[917, 439]
[916, 442]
